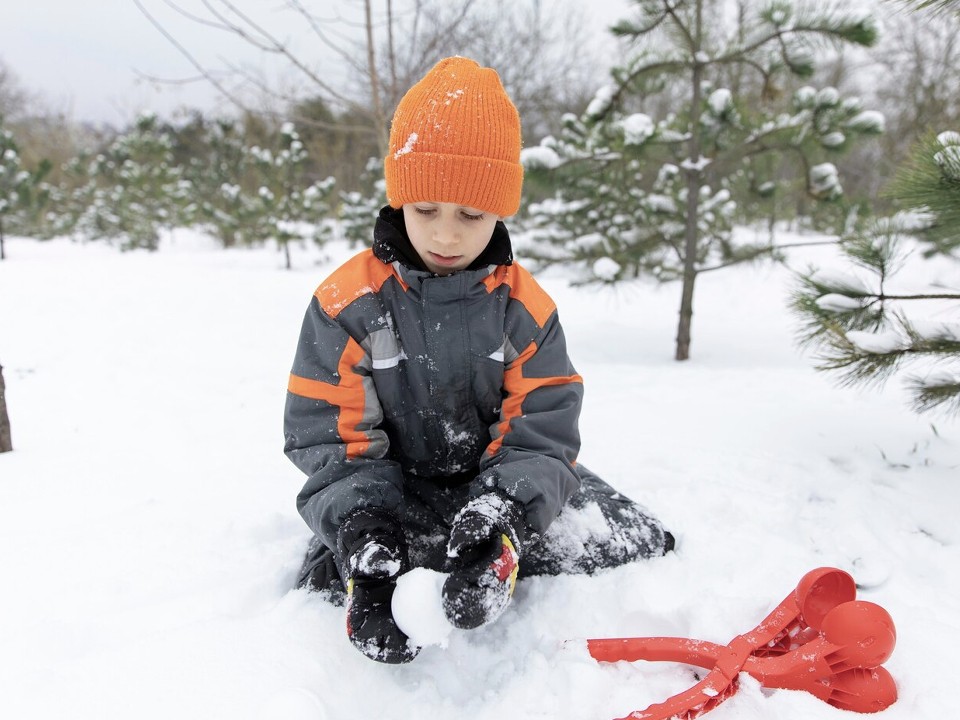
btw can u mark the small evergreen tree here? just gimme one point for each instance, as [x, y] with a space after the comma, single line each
[294, 209]
[359, 209]
[226, 200]
[864, 330]
[134, 188]
[645, 195]
[15, 184]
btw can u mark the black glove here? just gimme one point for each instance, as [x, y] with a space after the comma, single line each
[484, 552]
[374, 555]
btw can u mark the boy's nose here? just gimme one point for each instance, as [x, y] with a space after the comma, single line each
[446, 235]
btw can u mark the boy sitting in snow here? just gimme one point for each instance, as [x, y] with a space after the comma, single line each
[432, 404]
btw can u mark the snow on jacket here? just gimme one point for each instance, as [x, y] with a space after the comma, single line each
[398, 371]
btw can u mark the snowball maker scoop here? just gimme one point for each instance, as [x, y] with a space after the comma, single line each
[819, 639]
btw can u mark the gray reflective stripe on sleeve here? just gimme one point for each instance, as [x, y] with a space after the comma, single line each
[372, 413]
[383, 349]
[372, 417]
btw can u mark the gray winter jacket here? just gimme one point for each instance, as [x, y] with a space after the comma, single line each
[400, 372]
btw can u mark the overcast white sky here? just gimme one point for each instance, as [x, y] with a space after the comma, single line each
[88, 58]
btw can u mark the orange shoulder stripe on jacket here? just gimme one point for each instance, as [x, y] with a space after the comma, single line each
[518, 388]
[525, 289]
[347, 395]
[360, 275]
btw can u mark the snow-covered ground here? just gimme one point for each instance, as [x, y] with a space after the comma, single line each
[148, 535]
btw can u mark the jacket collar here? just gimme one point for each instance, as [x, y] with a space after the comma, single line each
[392, 244]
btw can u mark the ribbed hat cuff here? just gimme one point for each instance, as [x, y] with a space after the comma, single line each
[482, 183]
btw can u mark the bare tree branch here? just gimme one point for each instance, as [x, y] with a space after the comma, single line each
[191, 59]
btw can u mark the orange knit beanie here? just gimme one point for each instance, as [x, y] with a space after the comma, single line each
[455, 138]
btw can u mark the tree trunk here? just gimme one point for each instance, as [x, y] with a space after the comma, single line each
[379, 115]
[691, 232]
[3, 253]
[6, 444]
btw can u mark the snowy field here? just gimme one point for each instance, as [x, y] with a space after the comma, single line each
[149, 539]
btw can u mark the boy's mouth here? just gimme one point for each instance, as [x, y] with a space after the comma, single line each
[445, 260]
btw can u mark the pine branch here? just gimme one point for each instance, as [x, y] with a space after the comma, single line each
[930, 180]
[921, 296]
[855, 366]
[753, 252]
[935, 395]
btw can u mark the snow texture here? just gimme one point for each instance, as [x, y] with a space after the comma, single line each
[824, 179]
[601, 101]
[835, 302]
[540, 157]
[149, 537]
[407, 146]
[606, 268]
[881, 342]
[720, 100]
[637, 128]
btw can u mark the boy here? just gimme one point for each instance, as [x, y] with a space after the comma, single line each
[432, 404]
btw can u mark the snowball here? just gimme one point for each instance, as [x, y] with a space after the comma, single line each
[418, 609]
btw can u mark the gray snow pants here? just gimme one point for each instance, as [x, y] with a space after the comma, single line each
[597, 528]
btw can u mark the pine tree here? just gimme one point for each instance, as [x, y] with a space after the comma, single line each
[640, 194]
[294, 208]
[864, 330]
[226, 199]
[15, 183]
[930, 179]
[359, 209]
[134, 189]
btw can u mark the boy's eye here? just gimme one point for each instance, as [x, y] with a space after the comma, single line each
[469, 216]
[424, 211]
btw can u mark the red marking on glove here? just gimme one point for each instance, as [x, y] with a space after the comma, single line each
[504, 565]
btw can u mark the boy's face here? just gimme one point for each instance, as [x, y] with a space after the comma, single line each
[448, 237]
